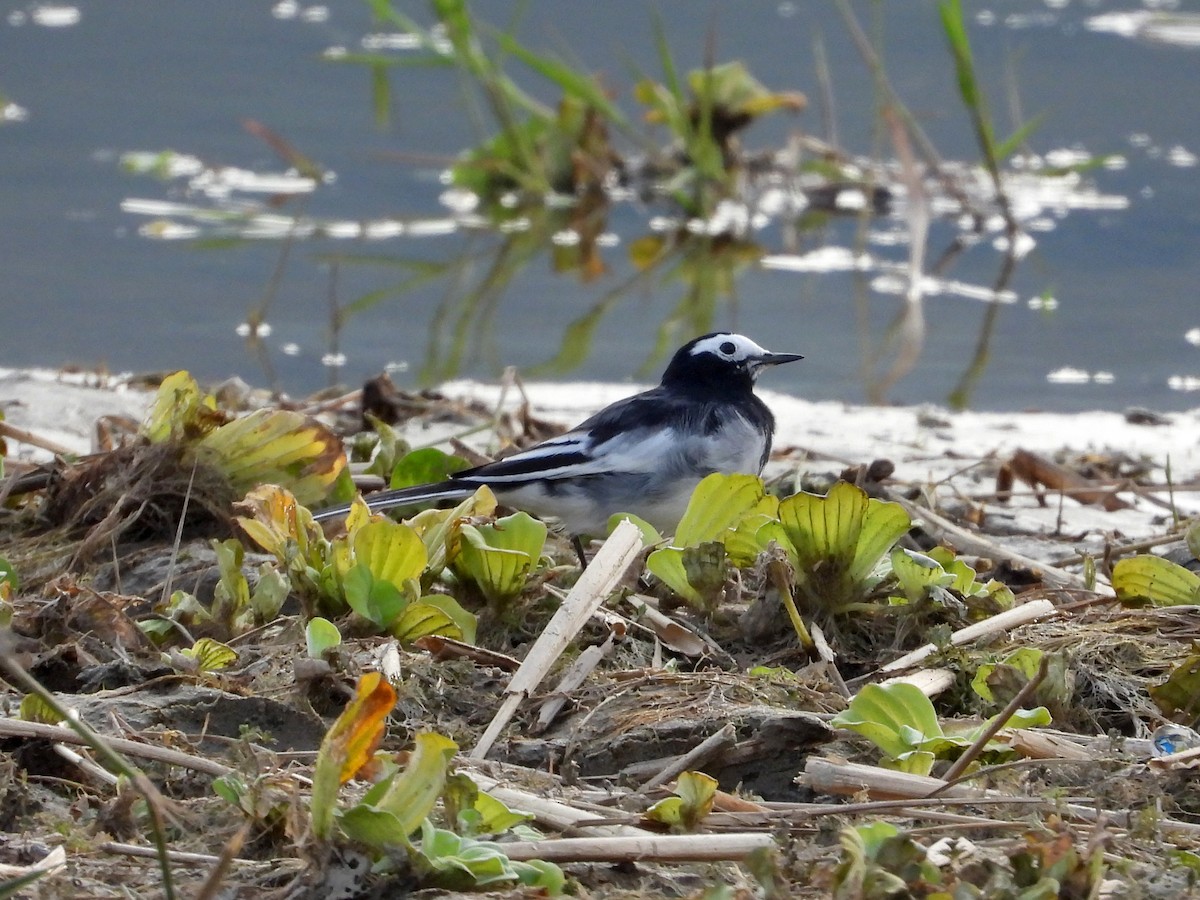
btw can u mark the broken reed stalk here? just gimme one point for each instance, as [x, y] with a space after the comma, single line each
[59, 734]
[1001, 622]
[665, 848]
[601, 576]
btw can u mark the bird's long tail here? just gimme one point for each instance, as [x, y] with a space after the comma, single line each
[421, 494]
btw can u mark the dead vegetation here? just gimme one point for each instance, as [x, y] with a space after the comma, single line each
[585, 701]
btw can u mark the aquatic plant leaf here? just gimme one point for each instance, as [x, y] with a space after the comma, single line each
[693, 800]
[917, 572]
[730, 87]
[718, 503]
[494, 816]
[1024, 661]
[1179, 696]
[286, 530]
[836, 541]
[498, 557]
[667, 565]
[391, 551]
[1142, 578]
[267, 598]
[465, 623]
[181, 411]
[455, 862]
[277, 447]
[232, 593]
[1192, 538]
[650, 535]
[348, 745]
[210, 655]
[425, 466]
[320, 636]
[35, 709]
[420, 619]
[395, 807]
[746, 540]
[439, 528]
[897, 718]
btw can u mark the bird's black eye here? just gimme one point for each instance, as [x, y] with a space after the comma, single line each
[727, 348]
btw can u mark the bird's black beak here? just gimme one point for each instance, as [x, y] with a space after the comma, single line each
[776, 359]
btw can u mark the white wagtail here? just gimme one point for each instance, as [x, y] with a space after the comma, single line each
[642, 455]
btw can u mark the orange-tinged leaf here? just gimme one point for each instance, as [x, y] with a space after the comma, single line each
[275, 518]
[359, 729]
[348, 745]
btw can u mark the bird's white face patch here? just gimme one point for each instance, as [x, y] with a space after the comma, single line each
[735, 348]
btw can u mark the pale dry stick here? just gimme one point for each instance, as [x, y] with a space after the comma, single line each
[24, 436]
[929, 682]
[664, 848]
[154, 800]
[80, 761]
[575, 675]
[971, 542]
[972, 752]
[718, 741]
[552, 813]
[1132, 547]
[1032, 611]
[183, 858]
[38, 730]
[224, 862]
[603, 574]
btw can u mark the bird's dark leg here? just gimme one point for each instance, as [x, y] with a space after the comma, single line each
[577, 543]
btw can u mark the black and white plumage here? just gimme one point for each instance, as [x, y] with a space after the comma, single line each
[643, 455]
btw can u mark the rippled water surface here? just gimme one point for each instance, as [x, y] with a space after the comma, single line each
[170, 169]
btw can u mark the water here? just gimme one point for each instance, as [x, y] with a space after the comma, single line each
[1105, 312]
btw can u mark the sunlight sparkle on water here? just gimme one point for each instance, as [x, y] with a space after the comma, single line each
[55, 16]
[1071, 375]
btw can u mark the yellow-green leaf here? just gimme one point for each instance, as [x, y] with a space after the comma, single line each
[421, 619]
[390, 551]
[897, 718]
[180, 411]
[498, 557]
[278, 447]
[320, 636]
[719, 503]
[34, 709]
[395, 809]
[693, 800]
[210, 655]
[1158, 580]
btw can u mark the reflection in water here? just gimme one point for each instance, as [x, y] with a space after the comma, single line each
[543, 192]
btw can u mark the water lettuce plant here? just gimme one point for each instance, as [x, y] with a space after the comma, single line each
[900, 720]
[402, 803]
[267, 445]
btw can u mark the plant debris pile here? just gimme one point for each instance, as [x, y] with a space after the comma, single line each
[814, 686]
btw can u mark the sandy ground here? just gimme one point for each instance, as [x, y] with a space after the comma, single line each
[955, 453]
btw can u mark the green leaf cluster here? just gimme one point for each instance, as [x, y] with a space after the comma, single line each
[837, 545]
[378, 569]
[901, 721]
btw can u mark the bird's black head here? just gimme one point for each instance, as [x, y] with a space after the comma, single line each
[720, 363]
